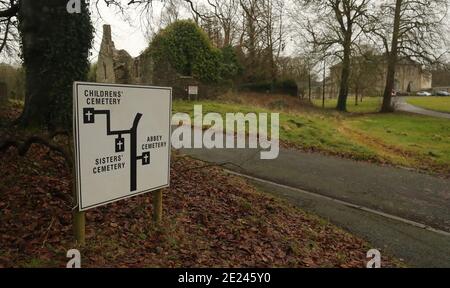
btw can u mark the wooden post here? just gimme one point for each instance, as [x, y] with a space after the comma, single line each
[79, 218]
[157, 206]
[79, 227]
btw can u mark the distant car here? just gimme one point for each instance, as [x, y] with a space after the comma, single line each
[423, 93]
[442, 93]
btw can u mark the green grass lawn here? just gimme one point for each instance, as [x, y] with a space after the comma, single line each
[427, 137]
[368, 105]
[403, 139]
[307, 130]
[440, 104]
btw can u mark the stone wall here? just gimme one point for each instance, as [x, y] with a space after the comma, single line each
[410, 77]
[123, 67]
[105, 63]
[143, 67]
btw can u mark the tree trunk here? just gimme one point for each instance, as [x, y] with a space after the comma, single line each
[392, 61]
[227, 35]
[32, 27]
[55, 50]
[273, 68]
[345, 76]
[309, 85]
[250, 42]
[324, 82]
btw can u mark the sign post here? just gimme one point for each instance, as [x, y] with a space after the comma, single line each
[79, 227]
[122, 145]
[157, 206]
[79, 221]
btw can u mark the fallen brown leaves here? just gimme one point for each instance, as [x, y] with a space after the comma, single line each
[211, 219]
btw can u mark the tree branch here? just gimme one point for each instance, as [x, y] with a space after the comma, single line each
[10, 12]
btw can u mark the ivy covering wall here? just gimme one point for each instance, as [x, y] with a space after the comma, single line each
[188, 50]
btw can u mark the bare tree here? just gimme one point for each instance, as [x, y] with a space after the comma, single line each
[300, 69]
[225, 13]
[333, 27]
[263, 37]
[170, 13]
[274, 32]
[145, 6]
[213, 28]
[367, 72]
[8, 27]
[412, 29]
[250, 39]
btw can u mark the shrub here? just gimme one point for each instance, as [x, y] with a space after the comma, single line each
[287, 86]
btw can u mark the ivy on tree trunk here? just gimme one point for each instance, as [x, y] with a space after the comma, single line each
[55, 50]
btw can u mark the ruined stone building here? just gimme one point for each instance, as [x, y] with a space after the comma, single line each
[117, 66]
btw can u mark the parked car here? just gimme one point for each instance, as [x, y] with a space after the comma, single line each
[423, 93]
[442, 93]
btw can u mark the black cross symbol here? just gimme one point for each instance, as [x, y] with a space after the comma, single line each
[120, 145]
[146, 158]
[88, 115]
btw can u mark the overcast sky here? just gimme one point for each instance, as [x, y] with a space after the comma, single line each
[127, 34]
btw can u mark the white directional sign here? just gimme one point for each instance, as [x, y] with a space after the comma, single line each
[122, 141]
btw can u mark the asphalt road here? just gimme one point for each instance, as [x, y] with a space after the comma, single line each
[401, 105]
[397, 192]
